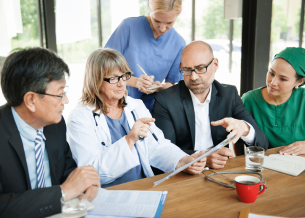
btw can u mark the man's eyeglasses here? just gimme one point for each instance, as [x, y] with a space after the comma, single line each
[116, 79]
[198, 70]
[59, 96]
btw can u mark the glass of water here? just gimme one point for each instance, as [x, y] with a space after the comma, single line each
[76, 207]
[254, 158]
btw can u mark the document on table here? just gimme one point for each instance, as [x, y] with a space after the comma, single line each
[291, 165]
[251, 215]
[245, 213]
[128, 203]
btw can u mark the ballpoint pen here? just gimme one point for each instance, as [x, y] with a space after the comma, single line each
[142, 138]
[153, 134]
[154, 86]
[141, 69]
[104, 175]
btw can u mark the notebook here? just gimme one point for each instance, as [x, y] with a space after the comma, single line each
[291, 165]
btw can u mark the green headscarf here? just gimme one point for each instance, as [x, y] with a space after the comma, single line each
[296, 57]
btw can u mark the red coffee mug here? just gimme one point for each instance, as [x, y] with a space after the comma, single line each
[247, 188]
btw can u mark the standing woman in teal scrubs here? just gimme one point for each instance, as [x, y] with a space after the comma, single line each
[153, 43]
[279, 108]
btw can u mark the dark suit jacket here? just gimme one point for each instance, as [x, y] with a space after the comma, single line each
[17, 199]
[175, 116]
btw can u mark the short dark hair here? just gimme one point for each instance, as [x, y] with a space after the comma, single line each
[30, 69]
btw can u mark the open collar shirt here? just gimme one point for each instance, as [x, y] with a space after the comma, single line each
[203, 135]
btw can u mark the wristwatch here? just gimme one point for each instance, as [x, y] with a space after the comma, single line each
[62, 194]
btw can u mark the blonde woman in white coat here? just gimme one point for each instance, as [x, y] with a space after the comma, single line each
[110, 131]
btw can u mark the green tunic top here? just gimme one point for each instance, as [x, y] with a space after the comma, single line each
[283, 124]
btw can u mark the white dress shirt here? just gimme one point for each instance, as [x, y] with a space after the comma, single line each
[203, 135]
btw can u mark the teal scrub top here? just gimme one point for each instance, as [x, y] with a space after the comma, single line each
[283, 124]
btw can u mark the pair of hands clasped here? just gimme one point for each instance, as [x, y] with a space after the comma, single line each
[82, 180]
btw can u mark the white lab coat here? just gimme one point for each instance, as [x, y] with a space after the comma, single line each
[91, 144]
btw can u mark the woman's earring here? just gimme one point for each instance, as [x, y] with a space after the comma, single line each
[296, 87]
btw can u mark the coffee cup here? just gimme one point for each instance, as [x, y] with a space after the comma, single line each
[247, 188]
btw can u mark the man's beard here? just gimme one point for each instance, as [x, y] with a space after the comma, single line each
[199, 89]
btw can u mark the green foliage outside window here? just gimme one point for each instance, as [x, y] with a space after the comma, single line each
[214, 25]
[143, 5]
[278, 23]
[30, 35]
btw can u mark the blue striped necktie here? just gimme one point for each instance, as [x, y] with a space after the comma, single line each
[39, 161]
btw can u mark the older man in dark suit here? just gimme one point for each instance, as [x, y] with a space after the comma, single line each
[36, 165]
[198, 112]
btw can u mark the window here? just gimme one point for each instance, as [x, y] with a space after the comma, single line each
[19, 28]
[212, 28]
[285, 25]
[183, 23]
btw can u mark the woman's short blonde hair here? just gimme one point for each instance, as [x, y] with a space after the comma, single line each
[163, 6]
[100, 64]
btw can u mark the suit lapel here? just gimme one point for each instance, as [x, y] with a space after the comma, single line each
[52, 154]
[214, 110]
[187, 103]
[15, 139]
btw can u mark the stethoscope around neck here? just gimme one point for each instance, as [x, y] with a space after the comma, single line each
[96, 114]
[133, 115]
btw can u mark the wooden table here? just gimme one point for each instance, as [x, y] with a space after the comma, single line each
[194, 196]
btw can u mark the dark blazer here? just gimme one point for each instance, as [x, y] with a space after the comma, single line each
[17, 199]
[175, 116]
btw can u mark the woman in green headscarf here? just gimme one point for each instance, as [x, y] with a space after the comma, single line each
[279, 108]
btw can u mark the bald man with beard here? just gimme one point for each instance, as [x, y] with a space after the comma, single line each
[199, 112]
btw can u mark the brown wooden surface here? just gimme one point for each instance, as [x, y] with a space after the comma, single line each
[194, 196]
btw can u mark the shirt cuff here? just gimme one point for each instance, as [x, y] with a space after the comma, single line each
[249, 139]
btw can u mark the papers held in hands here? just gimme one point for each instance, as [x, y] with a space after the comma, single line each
[291, 165]
[153, 86]
[217, 147]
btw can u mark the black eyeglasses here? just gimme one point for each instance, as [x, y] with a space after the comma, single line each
[116, 79]
[198, 70]
[59, 96]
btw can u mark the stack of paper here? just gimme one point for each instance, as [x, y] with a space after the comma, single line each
[291, 165]
[245, 213]
[125, 204]
[128, 203]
